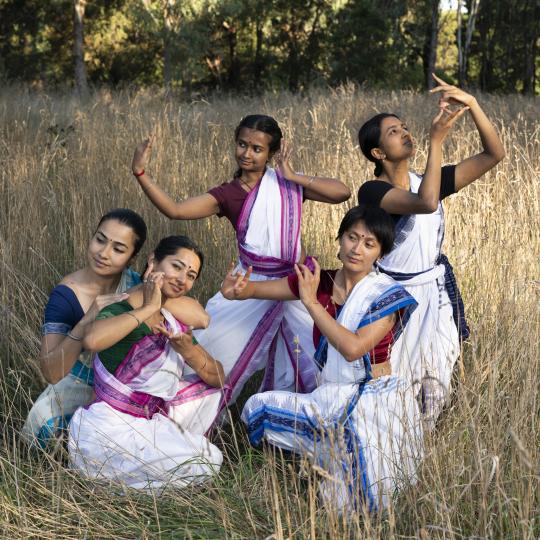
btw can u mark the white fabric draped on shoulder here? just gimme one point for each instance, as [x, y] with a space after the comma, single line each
[365, 433]
[118, 439]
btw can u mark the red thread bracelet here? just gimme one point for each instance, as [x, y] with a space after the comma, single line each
[138, 174]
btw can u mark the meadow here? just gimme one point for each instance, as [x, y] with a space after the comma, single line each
[63, 164]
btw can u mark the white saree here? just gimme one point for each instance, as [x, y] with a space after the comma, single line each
[365, 433]
[125, 436]
[247, 336]
[428, 348]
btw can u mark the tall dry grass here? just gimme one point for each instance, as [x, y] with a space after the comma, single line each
[62, 166]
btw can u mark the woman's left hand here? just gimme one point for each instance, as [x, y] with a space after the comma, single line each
[451, 94]
[182, 342]
[308, 283]
[282, 160]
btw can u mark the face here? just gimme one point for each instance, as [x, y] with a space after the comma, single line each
[111, 248]
[181, 271]
[396, 143]
[252, 150]
[359, 249]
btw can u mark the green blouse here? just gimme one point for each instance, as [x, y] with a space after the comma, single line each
[113, 356]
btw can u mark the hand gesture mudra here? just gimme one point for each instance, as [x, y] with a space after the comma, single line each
[282, 159]
[152, 283]
[142, 154]
[181, 342]
[101, 302]
[450, 94]
[235, 283]
[308, 282]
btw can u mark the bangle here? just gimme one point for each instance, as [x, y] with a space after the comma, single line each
[74, 337]
[138, 174]
[135, 317]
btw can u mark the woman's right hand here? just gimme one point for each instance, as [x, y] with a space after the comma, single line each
[152, 284]
[234, 284]
[101, 302]
[443, 122]
[142, 155]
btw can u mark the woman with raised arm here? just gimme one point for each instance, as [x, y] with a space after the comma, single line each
[362, 423]
[72, 305]
[265, 208]
[430, 346]
[129, 434]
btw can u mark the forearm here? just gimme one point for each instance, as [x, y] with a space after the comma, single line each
[323, 189]
[104, 333]
[159, 198]
[206, 367]
[57, 363]
[342, 339]
[491, 142]
[430, 187]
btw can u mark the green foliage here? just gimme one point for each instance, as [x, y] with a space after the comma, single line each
[202, 45]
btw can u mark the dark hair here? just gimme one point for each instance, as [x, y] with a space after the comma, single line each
[377, 221]
[264, 123]
[171, 244]
[369, 137]
[131, 219]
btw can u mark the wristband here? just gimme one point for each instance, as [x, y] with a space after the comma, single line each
[138, 174]
[74, 337]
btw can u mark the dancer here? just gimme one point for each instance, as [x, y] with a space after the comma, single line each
[430, 346]
[125, 435]
[72, 305]
[265, 207]
[362, 423]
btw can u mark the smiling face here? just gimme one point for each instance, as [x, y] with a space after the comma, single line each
[111, 248]
[252, 150]
[396, 142]
[359, 249]
[181, 271]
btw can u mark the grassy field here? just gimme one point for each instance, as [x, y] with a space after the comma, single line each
[62, 166]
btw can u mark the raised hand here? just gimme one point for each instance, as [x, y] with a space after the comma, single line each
[152, 284]
[235, 284]
[101, 302]
[142, 154]
[181, 342]
[443, 122]
[282, 160]
[450, 94]
[308, 282]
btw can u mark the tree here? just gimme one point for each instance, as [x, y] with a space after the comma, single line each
[81, 83]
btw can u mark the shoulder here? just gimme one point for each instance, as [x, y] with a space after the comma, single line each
[372, 192]
[63, 306]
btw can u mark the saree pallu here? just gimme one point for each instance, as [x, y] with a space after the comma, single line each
[126, 436]
[247, 336]
[364, 433]
[52, 410]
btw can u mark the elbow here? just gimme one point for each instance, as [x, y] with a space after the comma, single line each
[429, 206]
[500, 155]
[51, 378]
[343, 194]
[89, 343]
[205, 321]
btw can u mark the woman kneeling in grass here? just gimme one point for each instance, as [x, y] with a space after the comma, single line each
[361, 424]
[129, 434]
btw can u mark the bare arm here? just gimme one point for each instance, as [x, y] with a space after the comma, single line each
[189, 311]
[104, 333]
[192, 208]
[352, 345]
[239, 287]
[400, 201]
[59, 353]
[316, 188]
[473, 167]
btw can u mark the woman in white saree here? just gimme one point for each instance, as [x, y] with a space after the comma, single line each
[265, 207]
[428, 349]
[362, 423]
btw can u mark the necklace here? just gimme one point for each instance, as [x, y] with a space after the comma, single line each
[249, 188]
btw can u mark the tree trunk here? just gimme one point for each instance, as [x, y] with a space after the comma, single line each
[461, 78]
[471, 21]
[81, 83]
[432, 48]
